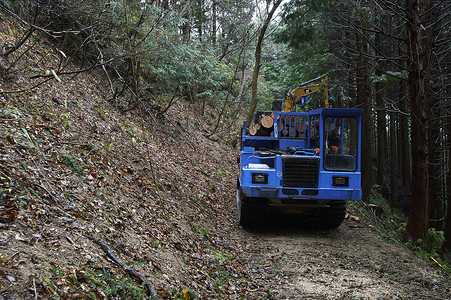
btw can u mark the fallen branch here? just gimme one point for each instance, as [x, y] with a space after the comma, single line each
[434, 260]
[130, 270]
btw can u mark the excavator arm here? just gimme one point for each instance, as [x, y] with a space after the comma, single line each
[298, 94]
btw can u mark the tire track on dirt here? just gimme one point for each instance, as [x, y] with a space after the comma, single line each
[351, 262]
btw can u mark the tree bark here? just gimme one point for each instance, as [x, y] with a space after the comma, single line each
[186, 27]
[436, 205]
[200, 7]
[364, 99]
[381, 122]
[258, 51]
[447, 244]
[419, 95]
[406, 151]
[213, 21]
[393, 161]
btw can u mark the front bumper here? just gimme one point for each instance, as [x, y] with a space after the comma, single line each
[276, 195]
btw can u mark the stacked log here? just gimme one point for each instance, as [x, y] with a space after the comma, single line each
[293, 126]
[267, 121]
[297, 127]
[263, 128]
[254, 129]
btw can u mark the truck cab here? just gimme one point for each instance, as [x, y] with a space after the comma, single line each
[309, 166]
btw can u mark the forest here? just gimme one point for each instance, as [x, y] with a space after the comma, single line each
[228, 59]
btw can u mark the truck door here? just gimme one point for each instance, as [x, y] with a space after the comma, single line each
[340, 143]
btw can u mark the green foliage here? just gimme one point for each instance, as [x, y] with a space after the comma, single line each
[434, 240]
[197, 229]
[182, 294]
[265, 95]
[142, 44]
[114, 285]
[390, 78]
[390, 224]
[430, 248]
[157, 245]
[223, 257]
[302, 22]
[308, 35]
[177, 66]
[72, 162]
[64, 119]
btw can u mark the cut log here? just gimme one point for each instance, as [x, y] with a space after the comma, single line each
[252, 130]
[257, 126]
[267, 122]
[264, 131]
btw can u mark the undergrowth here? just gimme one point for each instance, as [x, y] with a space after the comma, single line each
[390, 223]
[387, 221]
[431, 249]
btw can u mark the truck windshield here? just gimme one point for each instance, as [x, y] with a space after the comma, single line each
[340, 144]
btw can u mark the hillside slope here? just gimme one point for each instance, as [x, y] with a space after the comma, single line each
[99, 204]
[73, 170]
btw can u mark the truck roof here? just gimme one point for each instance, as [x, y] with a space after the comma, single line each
[337, 111]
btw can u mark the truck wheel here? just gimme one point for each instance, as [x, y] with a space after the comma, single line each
[331, 217]
[243, 212]
[251, 213]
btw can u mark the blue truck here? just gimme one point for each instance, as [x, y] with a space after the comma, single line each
[308, 166]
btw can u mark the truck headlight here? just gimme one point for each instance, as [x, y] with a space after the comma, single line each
[340, 180]
[261, 178]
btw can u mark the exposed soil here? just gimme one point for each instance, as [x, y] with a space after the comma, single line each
[351, 262]
[161, 196]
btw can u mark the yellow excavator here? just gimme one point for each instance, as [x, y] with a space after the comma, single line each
[299, 94]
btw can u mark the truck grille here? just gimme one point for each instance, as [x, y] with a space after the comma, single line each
[301, 172]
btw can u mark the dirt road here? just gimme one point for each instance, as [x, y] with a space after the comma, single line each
[351, 262]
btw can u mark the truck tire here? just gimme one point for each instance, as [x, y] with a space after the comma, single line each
[332, 216]
[252, 212]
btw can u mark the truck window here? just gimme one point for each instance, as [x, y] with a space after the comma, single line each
[340, 144]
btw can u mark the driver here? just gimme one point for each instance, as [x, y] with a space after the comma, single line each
[333, 137]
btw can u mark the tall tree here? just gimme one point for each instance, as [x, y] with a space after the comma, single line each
[364, 99]
[448, 221]
[258, 51]
[213, 22]
[381, 121]
[393, 160]
[418, 16]
[408, 52]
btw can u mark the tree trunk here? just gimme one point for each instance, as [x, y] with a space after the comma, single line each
[200, 21]
[213, 21]
[393, 161]
[404, 141]
[447, 244]
[381, 122]
[258, 51]
[419, 95]
[436, 207]
[381, 139]
[186, 27]
[364, 99]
